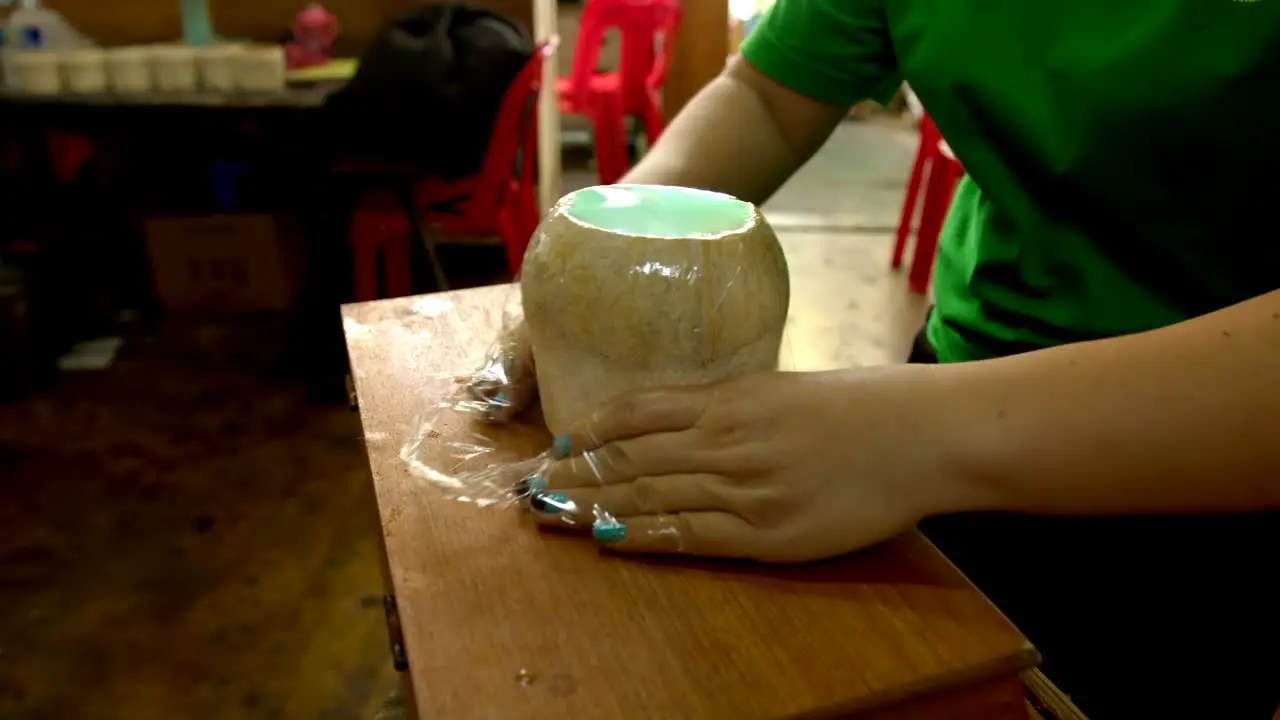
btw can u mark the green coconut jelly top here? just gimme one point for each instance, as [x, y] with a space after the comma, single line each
[659, 211]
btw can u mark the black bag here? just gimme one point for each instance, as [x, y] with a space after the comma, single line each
[428, 90]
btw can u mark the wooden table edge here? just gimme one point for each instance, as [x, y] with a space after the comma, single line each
[1047, 700]
[1010, 667]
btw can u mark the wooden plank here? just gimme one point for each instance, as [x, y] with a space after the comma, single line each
[500, 620]
[145, 21]
[545, 27]
[700, 52]
[999, 698]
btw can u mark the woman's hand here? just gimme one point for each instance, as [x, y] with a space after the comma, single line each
[777, 467]
[506, 383]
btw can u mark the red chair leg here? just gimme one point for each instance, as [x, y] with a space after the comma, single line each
[397, 263]
[519, 224]
[611, 143]
[654, 123]
[918, 172]
[937, 200]
[375, 233]
[364, 248]
[509, 229]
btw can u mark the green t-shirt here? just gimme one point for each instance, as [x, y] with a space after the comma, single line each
[1122, 158]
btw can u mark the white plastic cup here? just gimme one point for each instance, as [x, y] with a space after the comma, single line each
[38, 72]
[129, 70]
[260, 69]
[84, 70]
[175, 68]
[217, 65]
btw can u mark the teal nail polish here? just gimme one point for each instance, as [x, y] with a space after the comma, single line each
[561, 448]
[501, 398]
[531, 485]
[609, 531]
[552, 503]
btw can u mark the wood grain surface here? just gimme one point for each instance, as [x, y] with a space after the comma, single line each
[502, 621]
[699, 54]
[1046, 696]
[142, 21]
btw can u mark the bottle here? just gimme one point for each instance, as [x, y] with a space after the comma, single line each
[34, 27]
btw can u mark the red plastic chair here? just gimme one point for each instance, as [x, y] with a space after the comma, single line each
[643, 97]
[634, 89]
[499, 200]
[936, 171]
[69, 152]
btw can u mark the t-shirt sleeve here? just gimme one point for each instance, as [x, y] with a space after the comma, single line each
[836, 51]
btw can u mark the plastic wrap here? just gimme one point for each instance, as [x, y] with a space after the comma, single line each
[623, 288]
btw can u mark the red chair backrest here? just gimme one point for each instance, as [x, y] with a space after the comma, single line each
[931, 140]
[514, 136]
[642, 24]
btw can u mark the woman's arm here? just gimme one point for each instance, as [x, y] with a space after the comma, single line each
[743, 134]
[1181, 419]
[799, 71]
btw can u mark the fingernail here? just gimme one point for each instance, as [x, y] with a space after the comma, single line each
[552, 503]
[500, 398]
[609, 531]
[561, 448]
[533, 484]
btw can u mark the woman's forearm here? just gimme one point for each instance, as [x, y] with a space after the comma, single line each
[1182, 419]
[742, 134]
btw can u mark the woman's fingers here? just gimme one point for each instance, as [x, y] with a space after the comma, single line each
[705, 534]
[666, 453]
[637, 414]
[662, 495]
[504, 403]
[505, 384]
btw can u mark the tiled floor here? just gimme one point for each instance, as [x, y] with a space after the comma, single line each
[847, 309]
[183, 536]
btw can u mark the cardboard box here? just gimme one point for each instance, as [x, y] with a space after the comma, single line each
[225, 263]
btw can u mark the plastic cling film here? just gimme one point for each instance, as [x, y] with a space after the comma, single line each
[475, 444]
[623, 288]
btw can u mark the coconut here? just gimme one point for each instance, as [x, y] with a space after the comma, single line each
[628, 287]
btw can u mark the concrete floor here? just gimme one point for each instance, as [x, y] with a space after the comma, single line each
[854, 183]
[836, 219]
[857, 179]
[181, 536]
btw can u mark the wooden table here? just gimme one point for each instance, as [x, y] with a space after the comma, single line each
[497, 620]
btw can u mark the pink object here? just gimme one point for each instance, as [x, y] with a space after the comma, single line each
[499, 200]
[635, 89]
[314, 32]
[936, 171]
